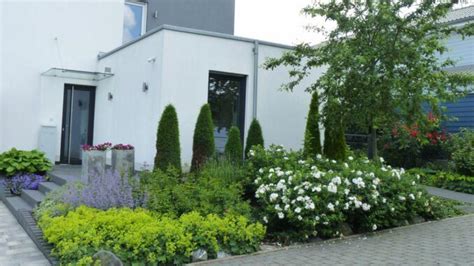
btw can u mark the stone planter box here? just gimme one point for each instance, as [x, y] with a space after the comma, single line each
[123, 161]
[93, 164]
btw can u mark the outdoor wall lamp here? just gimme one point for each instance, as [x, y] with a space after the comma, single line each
[110, 96]
[145, 87]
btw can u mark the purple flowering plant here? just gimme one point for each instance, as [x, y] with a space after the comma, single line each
[123, 147]
[23, 181]
[110, 190]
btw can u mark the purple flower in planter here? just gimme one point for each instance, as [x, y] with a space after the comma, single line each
[23, 181]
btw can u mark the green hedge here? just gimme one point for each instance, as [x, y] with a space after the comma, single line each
[140, 236]
[312, 139]
[168, 151]
[254, 136]
[233, 147]
[203, 141]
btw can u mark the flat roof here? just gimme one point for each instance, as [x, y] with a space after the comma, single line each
[196, 32]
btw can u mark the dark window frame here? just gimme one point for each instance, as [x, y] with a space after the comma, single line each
[242, 79]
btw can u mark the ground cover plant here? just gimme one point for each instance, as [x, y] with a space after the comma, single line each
[19, 182]
[447, 180]
[149, 238]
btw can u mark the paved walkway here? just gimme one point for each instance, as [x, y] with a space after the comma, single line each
[446, 242]
[16, 247]
[449, 194]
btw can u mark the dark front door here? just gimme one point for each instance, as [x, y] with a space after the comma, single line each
[78, 121]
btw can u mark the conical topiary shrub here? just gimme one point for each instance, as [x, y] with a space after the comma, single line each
[312, 139]
[168, 151]
[254, 136]
[233, 147]
[334, 141]
[203, 142]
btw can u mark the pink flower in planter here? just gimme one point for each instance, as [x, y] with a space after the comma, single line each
[99, 147]
[123, 147]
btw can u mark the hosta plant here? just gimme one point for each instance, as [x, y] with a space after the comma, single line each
[15, 161]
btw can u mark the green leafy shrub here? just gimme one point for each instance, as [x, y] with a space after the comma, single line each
[168, 151]
[334, 141]
[139, 236]
[17, 161]
[447, 180]
[215, 189]
[203, 142]
[254, 136]
[233, 147]
[301, 197]
[312, 139]
[462, 148]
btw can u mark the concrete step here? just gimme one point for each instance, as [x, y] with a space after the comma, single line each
[46, 187]
[16, 203]
[58, 179]
[32, 197]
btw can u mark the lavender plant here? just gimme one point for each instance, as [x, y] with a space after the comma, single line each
[105, 192]
[23, 181]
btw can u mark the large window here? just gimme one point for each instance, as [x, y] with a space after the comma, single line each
[134, 22]
[227, 100]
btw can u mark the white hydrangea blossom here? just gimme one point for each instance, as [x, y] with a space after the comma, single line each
[273, 197]
[331, 206]
[332, 188]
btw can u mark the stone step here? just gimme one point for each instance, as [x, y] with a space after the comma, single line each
[32, 197]
[46, 187]
[61, 179]
[17, 203]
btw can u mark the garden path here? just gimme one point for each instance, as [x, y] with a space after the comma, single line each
[444, 242]
[16, 247]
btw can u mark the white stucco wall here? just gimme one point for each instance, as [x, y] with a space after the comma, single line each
[187, 60]
[62, 33]
[180, 76]
[131, 117]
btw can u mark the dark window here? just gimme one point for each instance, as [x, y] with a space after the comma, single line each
[227, 100]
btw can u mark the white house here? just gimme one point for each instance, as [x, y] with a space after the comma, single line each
[66, 79]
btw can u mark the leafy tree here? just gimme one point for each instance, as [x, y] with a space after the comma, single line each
[254, 136]
[233, 147]
[168, 151]
[312, 139]
[381, 61]
[203, 142]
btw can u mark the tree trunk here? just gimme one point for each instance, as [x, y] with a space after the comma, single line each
[372, 143]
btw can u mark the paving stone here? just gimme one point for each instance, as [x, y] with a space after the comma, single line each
[445, 242]
[16, 247]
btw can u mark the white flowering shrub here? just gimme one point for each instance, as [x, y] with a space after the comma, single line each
[302, 197]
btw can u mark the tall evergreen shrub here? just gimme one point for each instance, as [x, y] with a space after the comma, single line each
[334, 141]
[233, 147]
[312, 140]
[203, 142]
[168, 151]
[254, 136]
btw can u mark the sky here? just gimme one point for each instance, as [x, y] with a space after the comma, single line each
[277, 21]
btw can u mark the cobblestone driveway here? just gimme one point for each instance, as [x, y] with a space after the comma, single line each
[16, 247]
[447, 242]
